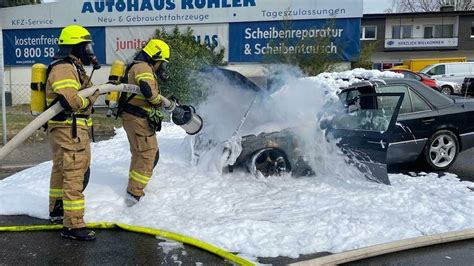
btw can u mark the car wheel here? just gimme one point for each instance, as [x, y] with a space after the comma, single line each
[268, 162]
[446, 90]
[441, 150]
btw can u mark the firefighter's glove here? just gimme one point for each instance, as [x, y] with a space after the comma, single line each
[93, 97]
[178, 114]
[154, 119]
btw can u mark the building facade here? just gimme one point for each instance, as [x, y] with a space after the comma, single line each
[247, 30]
[401, 36]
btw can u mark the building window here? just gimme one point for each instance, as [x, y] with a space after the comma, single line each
[444, 31]
[401, 31]
[428, 32]
[368, 33]
[439, 31]
[472, 29]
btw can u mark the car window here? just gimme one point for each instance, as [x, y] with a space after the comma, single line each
[365, 113]
[352, 94]
[419, 104]
[406, 104]
[437, 70]
[425, 69]
[410, 75]
[424, 75]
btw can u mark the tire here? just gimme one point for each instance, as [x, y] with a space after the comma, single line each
[441, 150]
[268, 162]
[447, 90]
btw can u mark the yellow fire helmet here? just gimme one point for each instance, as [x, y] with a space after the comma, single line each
[74, 34]
[157, 50]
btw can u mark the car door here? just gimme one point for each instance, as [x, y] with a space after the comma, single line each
[364, 130]
[416, 120]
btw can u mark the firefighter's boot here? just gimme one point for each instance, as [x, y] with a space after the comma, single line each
[58, 212]
[131, 199]
[82, 234]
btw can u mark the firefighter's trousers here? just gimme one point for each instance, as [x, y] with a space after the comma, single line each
[71, 160]
[145, 152]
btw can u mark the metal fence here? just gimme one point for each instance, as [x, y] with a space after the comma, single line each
[20, 94]
[17, 94]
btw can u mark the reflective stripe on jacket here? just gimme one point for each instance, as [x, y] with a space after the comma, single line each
[66, 80]
[143, 72]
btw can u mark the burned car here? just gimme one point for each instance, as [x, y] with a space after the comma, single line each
[361, 125]
[380, 122]
[430, 127]
[363, 132]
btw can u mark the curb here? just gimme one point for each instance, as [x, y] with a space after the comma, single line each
[381, 249]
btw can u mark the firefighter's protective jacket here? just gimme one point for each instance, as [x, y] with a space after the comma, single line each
[141, 74]
[63, 84]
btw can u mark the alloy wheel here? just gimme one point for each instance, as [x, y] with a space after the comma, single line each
[442, 151]
[446, 90]
[269, 162]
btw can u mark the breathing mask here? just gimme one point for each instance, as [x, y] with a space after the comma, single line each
[85, 52]
[162, 71]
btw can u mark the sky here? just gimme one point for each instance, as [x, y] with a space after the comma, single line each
[376, 6]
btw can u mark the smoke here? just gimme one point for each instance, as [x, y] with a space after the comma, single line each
[292, 101]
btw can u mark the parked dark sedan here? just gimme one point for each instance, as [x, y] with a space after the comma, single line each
[430, 125]
[423, 124]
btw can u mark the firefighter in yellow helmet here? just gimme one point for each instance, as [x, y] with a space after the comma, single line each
[140, 115]
[69, 131]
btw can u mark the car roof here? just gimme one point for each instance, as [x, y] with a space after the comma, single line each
[436, 98]
[451, 63]
[232, 76]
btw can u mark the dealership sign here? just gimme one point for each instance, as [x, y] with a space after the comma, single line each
[123, 42]
[421, 43]
[256, 41]
[173, 12]
[27, 47]
[248, 30]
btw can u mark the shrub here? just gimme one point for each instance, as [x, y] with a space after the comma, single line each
[187, 55]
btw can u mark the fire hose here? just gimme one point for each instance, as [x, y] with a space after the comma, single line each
[184, 117]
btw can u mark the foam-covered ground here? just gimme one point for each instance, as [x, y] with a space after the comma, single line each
[278, 216]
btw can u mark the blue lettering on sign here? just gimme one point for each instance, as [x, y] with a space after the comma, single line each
[100, 6]
[253, 41]
[31, 46]
[208, 40]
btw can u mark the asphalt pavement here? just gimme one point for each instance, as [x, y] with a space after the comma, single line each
[121, 247]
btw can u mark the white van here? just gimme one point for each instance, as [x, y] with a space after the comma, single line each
[453, 72]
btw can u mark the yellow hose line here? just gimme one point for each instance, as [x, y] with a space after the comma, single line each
[144, 230]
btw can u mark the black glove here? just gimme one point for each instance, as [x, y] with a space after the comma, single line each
[178, 113]
[154, 119]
